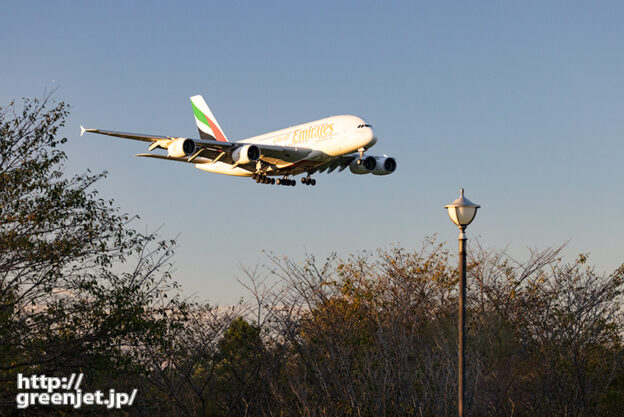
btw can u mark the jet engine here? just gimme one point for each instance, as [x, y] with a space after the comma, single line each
[385, 165]
[366, 165]
[181, 147]
[246, 154]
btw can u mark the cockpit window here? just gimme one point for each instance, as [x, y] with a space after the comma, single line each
[364, 125]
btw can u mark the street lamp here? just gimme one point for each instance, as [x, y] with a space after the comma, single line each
[462, 212]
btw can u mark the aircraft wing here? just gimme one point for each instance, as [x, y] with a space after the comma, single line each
[200, 143]
[282, 154]
[340, 162]
[210, 149]
[197, 160]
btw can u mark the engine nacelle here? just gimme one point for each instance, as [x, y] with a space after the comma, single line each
[181, 147]
[246, 154]
[366, 166]
[385, 165]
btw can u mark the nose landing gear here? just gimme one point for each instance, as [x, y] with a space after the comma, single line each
[360, 160]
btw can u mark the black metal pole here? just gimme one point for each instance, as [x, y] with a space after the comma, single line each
[462, 319]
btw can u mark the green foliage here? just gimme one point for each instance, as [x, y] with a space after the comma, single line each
[62, 308]
[370, 335]
[378, 335]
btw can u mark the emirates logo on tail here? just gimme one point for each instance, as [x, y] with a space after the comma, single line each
[205, 121]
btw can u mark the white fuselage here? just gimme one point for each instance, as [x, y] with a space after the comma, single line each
[327, 138]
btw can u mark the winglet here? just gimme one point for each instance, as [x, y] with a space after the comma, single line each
[82, 130]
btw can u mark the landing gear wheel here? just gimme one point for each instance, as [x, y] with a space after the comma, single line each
[313, 182]
[272, 180]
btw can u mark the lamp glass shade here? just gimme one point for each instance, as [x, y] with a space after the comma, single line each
[462, 211]
[462, 216]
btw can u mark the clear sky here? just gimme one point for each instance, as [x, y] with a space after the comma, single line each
[521, 103]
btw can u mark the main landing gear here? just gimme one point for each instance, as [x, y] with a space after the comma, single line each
[286, 181]
[263, 179]
[308, 181]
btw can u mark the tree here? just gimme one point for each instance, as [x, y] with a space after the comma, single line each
[377, 335]
[182, 371]
[63, 307]
[369, 335]
[556, 332]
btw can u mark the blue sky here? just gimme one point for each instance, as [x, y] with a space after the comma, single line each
[520, 103]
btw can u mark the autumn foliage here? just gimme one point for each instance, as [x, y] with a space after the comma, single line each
[372, 334]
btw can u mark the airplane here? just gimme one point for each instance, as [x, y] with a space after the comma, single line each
[327, 144]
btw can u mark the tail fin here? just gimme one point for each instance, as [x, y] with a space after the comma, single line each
[206, 123]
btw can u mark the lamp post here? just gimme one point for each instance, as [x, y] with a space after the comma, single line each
[462, 212]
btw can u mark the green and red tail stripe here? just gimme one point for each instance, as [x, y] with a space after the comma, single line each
[206, 123]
